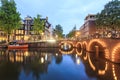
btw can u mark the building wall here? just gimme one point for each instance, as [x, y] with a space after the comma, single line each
[88, 28]
[26, 32]
[3, 36]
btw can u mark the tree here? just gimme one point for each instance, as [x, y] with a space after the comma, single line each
[109, 17]
[59, 30]
[72, 32]
[38, 25]
[9, 17]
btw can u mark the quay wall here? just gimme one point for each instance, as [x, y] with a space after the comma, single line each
[43, 45]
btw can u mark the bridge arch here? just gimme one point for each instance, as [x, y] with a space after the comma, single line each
[84, 45]
[68, 43]
[115, 57]
[79, 45]
[79, 48]
[84, 50]
[93, 44]
[66, 52]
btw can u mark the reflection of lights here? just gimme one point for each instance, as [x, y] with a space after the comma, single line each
[19, 59]
[46, 57]
[106, 67]
[85, 57]
[42, 60]
[12, 59]
[56, 54]
[78, 61]
[66, 52]
[26, 54]
[102, 72]
[91, 64]
[79, 53]
[51, 40]
[76, 55]
[114, 74]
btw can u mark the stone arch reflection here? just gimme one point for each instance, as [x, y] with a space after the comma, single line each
[66, 52]
[85, 57]
[79, 49]
[115, 72]
[84, 45]
[96, 66]
[81, 52]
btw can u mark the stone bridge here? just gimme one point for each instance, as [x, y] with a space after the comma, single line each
[108, 48]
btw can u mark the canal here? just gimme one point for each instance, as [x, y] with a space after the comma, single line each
[55, 64]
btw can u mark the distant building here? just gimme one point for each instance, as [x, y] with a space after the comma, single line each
[47, 31]
[26, 30]
[54, 34]
[3, 36]
[88, 28]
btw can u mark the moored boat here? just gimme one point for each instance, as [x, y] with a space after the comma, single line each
[17, 46]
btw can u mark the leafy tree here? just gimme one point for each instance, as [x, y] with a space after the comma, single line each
[38, 26]
[109, 17]
[9, 17]
[72, 32]
[59, 30]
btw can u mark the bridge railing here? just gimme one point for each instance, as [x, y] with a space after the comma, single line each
[107, 35]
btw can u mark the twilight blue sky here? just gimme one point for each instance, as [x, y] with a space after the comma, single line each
[67, 13]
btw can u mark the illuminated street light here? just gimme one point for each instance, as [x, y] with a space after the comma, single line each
[77, 34]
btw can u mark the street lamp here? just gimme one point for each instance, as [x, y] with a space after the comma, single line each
[77, 33]
[42, 35]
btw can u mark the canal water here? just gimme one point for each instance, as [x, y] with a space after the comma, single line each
[55, 64]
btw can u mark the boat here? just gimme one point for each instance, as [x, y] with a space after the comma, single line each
[14, 45]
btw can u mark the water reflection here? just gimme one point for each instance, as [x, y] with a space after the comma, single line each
[55, 64]
[100, 68]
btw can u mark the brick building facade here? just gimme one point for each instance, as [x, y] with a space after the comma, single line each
[88, 28]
